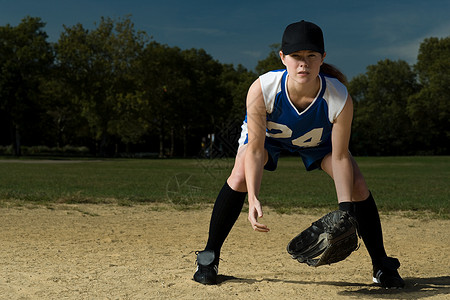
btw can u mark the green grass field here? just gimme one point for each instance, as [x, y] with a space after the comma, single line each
[398, 183]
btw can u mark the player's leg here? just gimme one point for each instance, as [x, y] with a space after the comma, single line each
[364, 209]
[228, 204]
[226, 211]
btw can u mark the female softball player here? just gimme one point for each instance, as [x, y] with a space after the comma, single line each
[307, 110]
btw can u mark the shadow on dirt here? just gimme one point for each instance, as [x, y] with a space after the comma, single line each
[415, 288]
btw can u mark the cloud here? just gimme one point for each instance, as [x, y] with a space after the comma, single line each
[440, 31]
[252, 54]
[408, 49]
[209, 31]
[196, 30]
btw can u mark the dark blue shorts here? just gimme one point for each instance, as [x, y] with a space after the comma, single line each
[311, 157]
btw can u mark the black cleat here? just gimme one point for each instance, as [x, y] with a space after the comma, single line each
[207, 267]
[387, 275]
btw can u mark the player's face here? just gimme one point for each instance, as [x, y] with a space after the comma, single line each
[304, 65]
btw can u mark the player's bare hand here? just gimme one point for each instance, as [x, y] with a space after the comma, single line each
[255, 212]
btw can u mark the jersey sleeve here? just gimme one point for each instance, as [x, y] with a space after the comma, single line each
[271, 86]
[336, 96]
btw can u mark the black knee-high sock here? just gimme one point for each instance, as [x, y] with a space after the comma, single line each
[226, 211]
[366, 213]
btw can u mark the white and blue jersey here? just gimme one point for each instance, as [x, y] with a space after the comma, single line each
[306, 132]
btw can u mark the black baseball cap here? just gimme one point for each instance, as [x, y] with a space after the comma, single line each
[302, 35]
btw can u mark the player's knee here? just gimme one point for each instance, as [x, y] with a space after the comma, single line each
[360, 190]
[237, 181]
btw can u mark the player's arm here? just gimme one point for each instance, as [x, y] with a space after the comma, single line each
[255, 152]
[340, 156]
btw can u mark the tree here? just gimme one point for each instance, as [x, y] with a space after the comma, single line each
[237, 81]
[271, 62]
[429, 108]
[66, 126]
[381, 124]
[25, 58]
[97, 67]
[160, 78]
[206, 91]
[182, 95]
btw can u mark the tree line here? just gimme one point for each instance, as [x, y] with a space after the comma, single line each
[113, 91]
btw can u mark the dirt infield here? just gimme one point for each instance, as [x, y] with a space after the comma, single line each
[146, 252]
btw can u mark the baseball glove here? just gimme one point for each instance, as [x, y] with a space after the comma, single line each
[333, 235]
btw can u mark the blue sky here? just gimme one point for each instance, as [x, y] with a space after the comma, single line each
[357, 33]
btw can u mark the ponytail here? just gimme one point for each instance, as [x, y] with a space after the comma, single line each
[331, 70]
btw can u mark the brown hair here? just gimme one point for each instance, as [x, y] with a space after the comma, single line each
[331, 70]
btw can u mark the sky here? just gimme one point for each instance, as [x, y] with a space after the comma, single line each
[357, 33]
